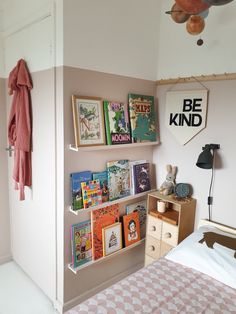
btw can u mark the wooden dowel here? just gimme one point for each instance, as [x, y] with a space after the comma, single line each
[203, 78]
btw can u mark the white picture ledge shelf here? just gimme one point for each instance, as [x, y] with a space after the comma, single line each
[109, 147]
[120, 200]
[125, 249]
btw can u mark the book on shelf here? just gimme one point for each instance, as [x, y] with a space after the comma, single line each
[117, 123]
[142, 118]
[76, 178]
[131, 164]
[118, 179]
[142, 178]
[101, 218]
[112, 238]
[102, 177]
[81, 243]
[91, 193]
[141, 208]
[131, 228]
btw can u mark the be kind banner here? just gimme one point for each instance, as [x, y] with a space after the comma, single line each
[185, 114]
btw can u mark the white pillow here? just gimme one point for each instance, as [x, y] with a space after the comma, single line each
[217, 262]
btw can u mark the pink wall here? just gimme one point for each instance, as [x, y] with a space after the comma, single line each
[220, 129]
[91, 83]
[5, 245]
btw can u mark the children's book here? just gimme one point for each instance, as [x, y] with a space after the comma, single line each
[101, 218]
[118, 179]
[117, 123]
[131, 228]
[102, 177]
[91, 193]
[75, 179]
[142, 118]
[131, 164]
[142, 178]
[81, 243]
[141, 208]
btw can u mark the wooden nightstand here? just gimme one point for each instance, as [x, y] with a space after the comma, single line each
[165, 231]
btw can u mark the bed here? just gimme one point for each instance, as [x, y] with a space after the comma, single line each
[198, 276]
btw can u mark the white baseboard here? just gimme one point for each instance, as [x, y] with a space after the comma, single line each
[5, 259]
[58, 307]
[68, 305]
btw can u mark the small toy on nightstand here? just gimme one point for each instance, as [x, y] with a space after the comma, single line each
[168, 185]
[182, 191]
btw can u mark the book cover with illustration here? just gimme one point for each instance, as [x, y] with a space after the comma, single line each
[101, 218]
[102, 177]
[131, 165]
[117, 123]
[142, 178]
[141, 208]
[91, 193]
[76, 192]
[81, 243]
[118, 173]
[142, 118]
[131, 228]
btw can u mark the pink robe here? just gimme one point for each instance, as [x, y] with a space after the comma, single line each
[19, 125]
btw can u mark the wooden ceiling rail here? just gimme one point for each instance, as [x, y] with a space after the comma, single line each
[201, 78]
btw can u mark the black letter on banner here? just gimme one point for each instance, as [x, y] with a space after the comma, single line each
[173, 118]
[194, 123]
[195, 104]
[187, 105]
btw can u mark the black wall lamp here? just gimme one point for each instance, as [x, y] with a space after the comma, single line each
[206, 161]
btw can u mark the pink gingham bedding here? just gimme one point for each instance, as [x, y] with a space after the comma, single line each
[162, 287]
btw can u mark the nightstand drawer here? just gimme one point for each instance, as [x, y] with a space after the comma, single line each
[169, 234]
[154, 227]
[148, 260]
[165, 248]
[152, 247]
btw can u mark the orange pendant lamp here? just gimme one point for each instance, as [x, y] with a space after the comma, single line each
[195, 24]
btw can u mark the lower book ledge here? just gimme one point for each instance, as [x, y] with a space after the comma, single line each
[75, 270]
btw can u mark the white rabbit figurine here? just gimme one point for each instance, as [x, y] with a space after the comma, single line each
[168, 185]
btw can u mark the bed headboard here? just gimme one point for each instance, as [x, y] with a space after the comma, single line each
[205, 222]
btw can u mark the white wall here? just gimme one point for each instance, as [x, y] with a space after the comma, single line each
[2, 70]
[119, 37]
[15, 19]
[5, 245]
[220, 129]
[178, 53]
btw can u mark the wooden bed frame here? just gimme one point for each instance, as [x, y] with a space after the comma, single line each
[205, 222]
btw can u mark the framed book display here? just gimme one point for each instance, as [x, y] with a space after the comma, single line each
[141, 208]
[88, 121]
[142, 118]
[91, 193]
[141, 178]
[101, 218]
[81, 243]
[117, 123]
[111, 238]
[102, 177]
[131, 228]
[76, 178]
[118, 179]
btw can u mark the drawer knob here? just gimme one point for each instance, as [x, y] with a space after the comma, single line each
[167, 235]
[151, 248]
[153, 228]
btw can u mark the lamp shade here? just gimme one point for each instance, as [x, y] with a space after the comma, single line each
[205, 159]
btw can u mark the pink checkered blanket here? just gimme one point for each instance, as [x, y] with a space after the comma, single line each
[162, 287]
